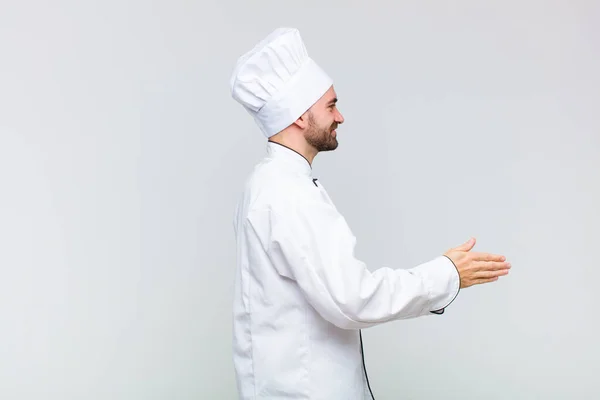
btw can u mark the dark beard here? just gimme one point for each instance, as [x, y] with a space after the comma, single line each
[320, 139]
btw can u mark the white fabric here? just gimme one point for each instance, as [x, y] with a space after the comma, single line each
[277, 81]
[301, 296]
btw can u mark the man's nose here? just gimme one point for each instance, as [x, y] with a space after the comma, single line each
[339, 118]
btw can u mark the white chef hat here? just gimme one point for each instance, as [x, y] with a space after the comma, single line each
[277, 81]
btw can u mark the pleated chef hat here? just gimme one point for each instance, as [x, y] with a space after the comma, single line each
[277, 81]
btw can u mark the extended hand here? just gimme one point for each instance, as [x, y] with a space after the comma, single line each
[477, 268]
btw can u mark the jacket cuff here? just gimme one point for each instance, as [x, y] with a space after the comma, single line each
[442, 281]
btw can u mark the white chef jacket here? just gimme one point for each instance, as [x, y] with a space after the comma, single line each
[301, 297]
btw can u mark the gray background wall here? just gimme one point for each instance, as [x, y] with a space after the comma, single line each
[122, 155]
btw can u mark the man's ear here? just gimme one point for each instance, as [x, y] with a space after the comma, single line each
[302, 121]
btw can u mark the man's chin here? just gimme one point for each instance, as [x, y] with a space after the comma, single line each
[330, 146]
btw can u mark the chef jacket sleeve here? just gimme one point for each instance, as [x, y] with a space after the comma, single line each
[314, 246]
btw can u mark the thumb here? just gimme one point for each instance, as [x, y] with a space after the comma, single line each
[467, 246]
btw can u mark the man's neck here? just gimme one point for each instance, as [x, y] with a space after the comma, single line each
[304, 149]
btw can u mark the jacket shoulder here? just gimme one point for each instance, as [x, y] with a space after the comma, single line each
[270, 187]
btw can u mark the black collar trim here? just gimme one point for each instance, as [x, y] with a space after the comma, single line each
[289, 148]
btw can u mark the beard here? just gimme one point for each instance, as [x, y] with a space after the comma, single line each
[320, 138]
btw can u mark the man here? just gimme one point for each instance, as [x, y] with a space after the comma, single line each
[301, 297]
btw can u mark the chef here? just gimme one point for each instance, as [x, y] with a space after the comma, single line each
[301, 296]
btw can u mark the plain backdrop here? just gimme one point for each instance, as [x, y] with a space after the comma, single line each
[122, 155]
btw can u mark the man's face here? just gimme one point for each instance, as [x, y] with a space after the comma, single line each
[323, 120]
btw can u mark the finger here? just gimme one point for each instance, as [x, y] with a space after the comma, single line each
[492, 265]
[487, 257]
[490, 274]
[466, 246]
[487, 280]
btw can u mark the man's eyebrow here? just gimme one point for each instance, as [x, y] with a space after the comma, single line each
[333, 101]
